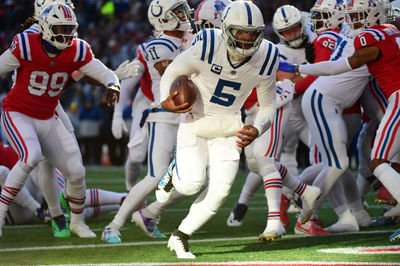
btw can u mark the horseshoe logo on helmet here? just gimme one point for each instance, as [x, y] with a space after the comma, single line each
[152, 11]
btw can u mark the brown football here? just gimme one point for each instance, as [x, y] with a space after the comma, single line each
[187, 91]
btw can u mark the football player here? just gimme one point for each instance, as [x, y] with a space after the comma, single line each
[375, 46]
[44, 62]
[226, 66]
[172, 18]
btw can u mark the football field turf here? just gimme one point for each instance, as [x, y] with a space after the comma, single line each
[213, 244]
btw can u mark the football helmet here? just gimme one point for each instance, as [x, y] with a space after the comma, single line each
[58, 25]
[327, 14]
[39, 5]
[208, 14]
[242, 16]
[170, 15]
[394, 11]
[361, 14]
[288, 17]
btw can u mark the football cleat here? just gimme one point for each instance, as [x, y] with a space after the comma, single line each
[393, 212]
[43, 215]
[81, 230]
[383, 196]
[179, 243]
[111, 235]
[363, 218]
[385, 221]
[165, 187]
[395, 236]
[272, 233]
[237, 214]
[309, 228]
[148, 225]
[346, 224]
[60, 227]
[65, 205]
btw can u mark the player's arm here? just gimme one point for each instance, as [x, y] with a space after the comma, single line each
[359, 58]
[183, 64]
[105, 76]
[8, 62]
[118, 125]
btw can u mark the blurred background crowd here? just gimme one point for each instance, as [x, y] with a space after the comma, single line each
[113, 29]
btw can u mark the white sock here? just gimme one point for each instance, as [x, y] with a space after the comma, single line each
[389, 178]
[93, 212]
[250, 187]
[99, 197]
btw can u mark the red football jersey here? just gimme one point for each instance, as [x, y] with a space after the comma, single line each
[8, 157]
[145, 80]
[40, 79]
[324, 45]
[386, 68]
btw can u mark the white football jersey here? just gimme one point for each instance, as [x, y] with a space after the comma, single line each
[345, 89]
[224, 87]
[294, 56]
[162, 48]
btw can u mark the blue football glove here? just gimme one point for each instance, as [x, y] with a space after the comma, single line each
[287, 67]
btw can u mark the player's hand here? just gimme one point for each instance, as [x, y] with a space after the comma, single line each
[118, 126]
[127, 70]
[112, 94]
[169, 105]
[247, 134]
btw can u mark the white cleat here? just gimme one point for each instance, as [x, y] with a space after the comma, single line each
[237, 215]
[178, 242]
[363, 218]
[272, 232]
[81, 230]
[346, 224]
[393, 212]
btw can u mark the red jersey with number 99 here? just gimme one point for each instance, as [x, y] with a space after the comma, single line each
[386, 68]
[40, 79]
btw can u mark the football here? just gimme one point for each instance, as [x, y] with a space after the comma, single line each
[187, 91]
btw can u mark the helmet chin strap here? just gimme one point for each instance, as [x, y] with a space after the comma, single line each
[51, 48]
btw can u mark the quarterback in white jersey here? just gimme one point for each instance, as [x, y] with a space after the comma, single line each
[225, 66]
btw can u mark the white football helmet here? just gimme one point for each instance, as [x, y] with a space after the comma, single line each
[394, 11]
[285, 18]
[242, 16]
[208, 14]
[58, 25]
[170, 15]
[327, 14]
[39, 5]
[366, 12]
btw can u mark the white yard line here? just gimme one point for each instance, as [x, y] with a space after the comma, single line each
[165, 242]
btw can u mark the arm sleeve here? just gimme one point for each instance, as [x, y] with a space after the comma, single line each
[266, 94]
[183, 64]
[8, 62]
[98, 71]
[327, 68]
[127, 85]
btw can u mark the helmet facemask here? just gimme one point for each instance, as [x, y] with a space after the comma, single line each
[294, 40]
[243, 48]
[182, 14]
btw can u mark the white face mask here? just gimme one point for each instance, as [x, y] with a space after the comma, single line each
[184, 26]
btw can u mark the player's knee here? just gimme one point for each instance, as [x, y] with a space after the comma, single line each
[217, 194]
[266, 166]
[187, 188]
[76, 172]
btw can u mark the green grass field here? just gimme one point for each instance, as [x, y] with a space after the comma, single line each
[214, 243]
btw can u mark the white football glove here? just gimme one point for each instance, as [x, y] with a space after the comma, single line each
[118, 126]
[127, 70]
[284, 92]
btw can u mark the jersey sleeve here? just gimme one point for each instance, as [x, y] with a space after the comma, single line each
[20, 47]
[324, 45]
[158, 50]
[367, 38]
[83, 53]
[204, 45]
